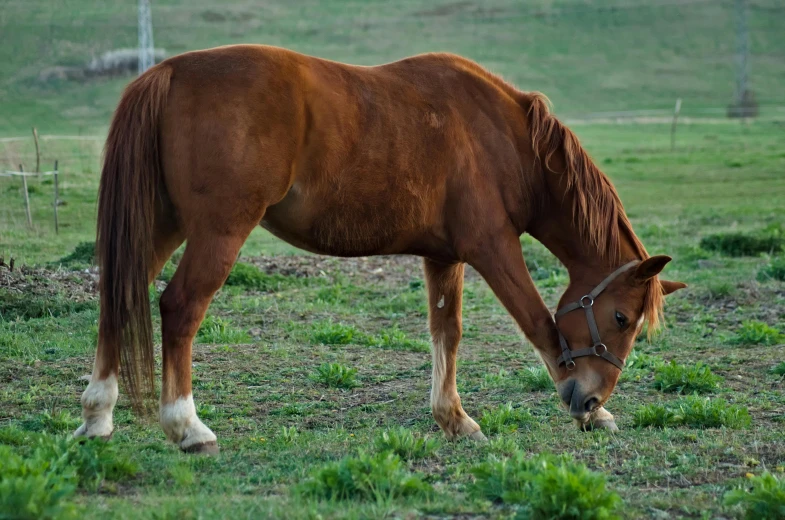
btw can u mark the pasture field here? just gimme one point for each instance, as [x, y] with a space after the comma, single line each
[274, 364]
[587, 55]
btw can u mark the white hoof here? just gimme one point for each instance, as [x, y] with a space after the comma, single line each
[98, 401]
[183, 427]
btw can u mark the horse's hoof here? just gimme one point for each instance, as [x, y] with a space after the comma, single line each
[478, 436]
[203, 448]
[603, 424]
[81, 434]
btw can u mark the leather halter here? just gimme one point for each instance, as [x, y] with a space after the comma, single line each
[586, 303]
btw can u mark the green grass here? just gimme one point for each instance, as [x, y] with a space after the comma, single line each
[82, 255]
[250, 277]
[215, 329]
[774, 270]
[546, 486]
[505, 419]
[336, 375]
[684, 379]
[406, 444]
[38, 480]
[536, 379]
[695, 412]
[763, 500]
[754, 332]
[329, 333]
[378, 477]
[743, 244]
[277, 428]
[396, 339]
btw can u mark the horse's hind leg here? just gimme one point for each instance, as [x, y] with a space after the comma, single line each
[100, 396]
[205, 265]
[445, 292]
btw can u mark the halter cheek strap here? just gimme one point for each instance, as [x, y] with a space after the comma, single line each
[586, 303]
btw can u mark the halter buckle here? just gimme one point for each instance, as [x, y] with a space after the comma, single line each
[569, 364]
[583, 299]
[597, 349]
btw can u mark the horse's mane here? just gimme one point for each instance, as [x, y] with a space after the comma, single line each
[597, 207]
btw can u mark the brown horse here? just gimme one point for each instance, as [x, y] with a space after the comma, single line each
[430, 156]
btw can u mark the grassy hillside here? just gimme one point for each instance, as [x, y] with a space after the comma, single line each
[588, 56]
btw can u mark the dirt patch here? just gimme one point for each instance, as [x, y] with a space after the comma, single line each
[373, 269]
[38, 281]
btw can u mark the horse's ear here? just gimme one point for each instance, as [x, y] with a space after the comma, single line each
[669, 287]
[650, 267]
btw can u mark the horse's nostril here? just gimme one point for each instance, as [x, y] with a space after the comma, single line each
[591, 404]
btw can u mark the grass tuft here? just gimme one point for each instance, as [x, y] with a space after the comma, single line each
[720, 289]
[37, 480]
[754, 332]
[220, 330]
[336, 375]
[381, 478]
[683, 379]
[331, 333]
[536, 379]
[743, 244]
[545, 486]
[249, 277]
[505, 419]
[406, 444]
[779, 369]
[83, 255]
[693, 411]
[774, 270]
[763, 500]
[395, 339]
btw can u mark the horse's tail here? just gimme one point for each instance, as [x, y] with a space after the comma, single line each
[124, 245]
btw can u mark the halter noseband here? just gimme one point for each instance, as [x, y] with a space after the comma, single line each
[598, 348]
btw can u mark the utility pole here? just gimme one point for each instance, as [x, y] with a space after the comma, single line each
[744, 104]
[146, 52]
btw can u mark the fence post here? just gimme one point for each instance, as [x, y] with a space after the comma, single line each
[57, 201]
[27, 197]
[676, 111]
[37, 154]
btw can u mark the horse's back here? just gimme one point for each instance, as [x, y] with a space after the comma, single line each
[348, 160]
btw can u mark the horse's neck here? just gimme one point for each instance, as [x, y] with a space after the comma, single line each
[561, 234]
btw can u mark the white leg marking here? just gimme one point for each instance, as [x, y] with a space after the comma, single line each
[182, 426]
[98, 401]
[444, 405]
[437, 377]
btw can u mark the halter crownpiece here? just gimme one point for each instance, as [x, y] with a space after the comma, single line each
[586, 303]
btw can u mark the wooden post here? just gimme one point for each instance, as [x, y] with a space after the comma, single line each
[37, 153]
[676, 111]
[27, 197]
[57, 201]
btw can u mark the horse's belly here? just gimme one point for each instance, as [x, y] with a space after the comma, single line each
[343, 226]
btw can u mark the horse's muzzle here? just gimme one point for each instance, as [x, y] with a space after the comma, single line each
[580, 403]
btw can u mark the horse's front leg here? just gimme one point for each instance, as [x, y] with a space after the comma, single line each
[502, 265]
[445, 291]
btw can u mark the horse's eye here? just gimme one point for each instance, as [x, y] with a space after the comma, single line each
[621, 319]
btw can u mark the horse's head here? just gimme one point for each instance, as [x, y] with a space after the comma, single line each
[598, 322]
